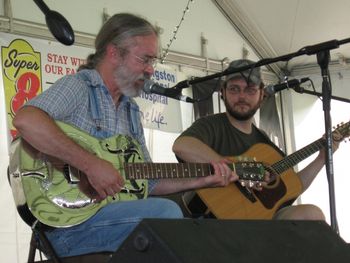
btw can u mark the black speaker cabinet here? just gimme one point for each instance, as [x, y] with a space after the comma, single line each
[248, 241]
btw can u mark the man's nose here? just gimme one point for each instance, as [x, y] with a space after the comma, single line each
[149, 69]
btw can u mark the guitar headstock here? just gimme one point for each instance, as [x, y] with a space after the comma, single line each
[341, 131]
[250, 173]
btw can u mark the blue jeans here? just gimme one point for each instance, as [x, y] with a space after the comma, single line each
[107, 229]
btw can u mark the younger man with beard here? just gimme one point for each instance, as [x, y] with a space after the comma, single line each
[232, 133]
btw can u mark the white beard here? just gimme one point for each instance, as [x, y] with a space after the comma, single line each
[127, 81]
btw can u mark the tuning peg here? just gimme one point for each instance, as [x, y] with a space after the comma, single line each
[251, 184]
[259, 184]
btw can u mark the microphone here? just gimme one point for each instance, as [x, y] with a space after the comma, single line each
[57, 24]
[272, 89]
[151, 87]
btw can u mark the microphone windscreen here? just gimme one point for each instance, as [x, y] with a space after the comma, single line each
[269, 90]
[147, 86]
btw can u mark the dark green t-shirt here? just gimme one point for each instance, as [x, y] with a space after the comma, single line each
[217, 132]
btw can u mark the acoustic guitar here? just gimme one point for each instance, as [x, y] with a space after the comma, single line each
[237, 202]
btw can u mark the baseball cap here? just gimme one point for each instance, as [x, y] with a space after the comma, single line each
[252, 75]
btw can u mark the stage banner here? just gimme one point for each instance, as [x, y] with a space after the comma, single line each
[160, 112]
[29, 66]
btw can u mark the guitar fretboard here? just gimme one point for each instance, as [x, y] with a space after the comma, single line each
[293, 159]
[166, 170]
[298, 156]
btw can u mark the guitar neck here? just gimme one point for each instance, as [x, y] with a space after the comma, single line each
[166, 170]
[296, 157]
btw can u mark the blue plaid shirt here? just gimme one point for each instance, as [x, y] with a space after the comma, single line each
[68, 100]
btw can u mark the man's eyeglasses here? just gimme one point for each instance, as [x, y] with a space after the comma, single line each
[250, 90]
[146, 61]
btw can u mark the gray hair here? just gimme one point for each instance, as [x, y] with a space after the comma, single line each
[118, 30]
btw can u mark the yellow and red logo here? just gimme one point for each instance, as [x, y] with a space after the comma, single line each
[22, 77]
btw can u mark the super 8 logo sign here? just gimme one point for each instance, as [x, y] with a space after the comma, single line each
[22, 77]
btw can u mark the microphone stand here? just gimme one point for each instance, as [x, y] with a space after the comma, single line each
[322, 51]
[301, 90]
[308, 50]
[323, 61]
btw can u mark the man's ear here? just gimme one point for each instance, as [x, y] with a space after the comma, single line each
[113, 53]
[263, 95]
[111, 49]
